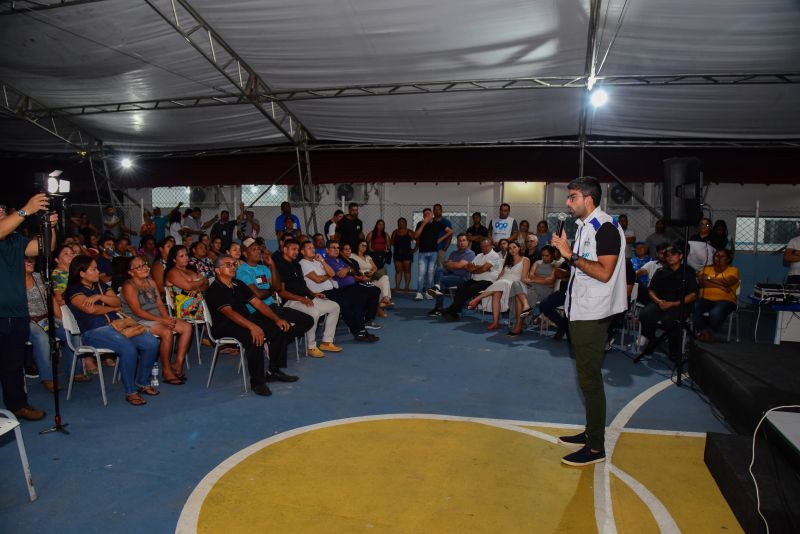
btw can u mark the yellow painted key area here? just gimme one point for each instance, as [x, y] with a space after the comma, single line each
[431, 475]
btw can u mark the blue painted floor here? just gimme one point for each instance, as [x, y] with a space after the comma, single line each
[125, 469]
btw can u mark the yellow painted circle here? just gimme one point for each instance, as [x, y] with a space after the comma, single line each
[403, 475]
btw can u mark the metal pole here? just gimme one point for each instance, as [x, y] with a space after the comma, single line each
[96, 189]
[755, 230]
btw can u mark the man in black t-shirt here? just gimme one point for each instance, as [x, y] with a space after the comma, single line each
[350, 229]
[227, 300]
[665, 295]
[476, 233]
[429, 233]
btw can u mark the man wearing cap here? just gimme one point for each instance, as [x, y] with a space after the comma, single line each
[665, 306]
[595, 293]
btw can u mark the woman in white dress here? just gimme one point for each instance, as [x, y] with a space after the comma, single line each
[367, 267]
[533, 288]
[514, 266]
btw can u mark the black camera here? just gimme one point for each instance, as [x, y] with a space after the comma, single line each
[55, 187]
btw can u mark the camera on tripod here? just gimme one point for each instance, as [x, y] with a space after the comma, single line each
[55, 188]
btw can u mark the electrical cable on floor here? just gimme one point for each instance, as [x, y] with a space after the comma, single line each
[753, 458]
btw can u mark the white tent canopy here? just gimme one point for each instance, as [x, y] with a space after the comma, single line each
[96, 53]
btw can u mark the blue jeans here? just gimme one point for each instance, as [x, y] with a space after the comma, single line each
[142, 349]
[445, 280]
[41, 349]
[718, 311]
[427, 267]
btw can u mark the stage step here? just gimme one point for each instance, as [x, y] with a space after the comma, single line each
[728, 457]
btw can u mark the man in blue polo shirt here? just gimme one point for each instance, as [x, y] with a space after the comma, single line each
[455, 273]
[280, 220]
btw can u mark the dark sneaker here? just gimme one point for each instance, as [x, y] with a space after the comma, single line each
[262, 390]
[585, 456]
[280, 376]
[435, 291]
[577, 441]
[372, 325]
[436, 312]
[450, 316]
[364, 337]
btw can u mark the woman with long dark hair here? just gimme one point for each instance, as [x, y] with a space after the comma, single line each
[186, 284]
[94, 306]
[159, 269]
[403, 254]
[514, 265]
[719, 235]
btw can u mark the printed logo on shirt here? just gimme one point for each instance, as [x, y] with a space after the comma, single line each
[500, 225]
[261, 279]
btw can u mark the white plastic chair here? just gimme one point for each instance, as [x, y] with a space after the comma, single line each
[72, 330]
[8, 423]
[220, 343]
[199, 325]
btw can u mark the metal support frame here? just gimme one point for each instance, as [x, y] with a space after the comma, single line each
[589, 68]
[14, 7]
[304, 179]
[639, 198]
[182, 17]
[261, 97]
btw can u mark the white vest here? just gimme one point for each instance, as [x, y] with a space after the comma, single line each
[588, 298]
[501, 228]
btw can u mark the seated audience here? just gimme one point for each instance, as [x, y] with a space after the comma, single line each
[502, 248]
[792, 256]
[484, 270]
[123, 248]
[531, 251]
[513, 266]
[159, 268]
[105, 258]
[147, 248]
[141, 300]
[660, 236]
[476, 233]
[649, 269]
[282, 228]
[375, 275]
[524, 231]
[94, 306]
[719, 235]
[235, 252]
[215, 249]
[330, 225]
[224, 230]
[718, 284]
[364, 283]
[703, 230]
[403, 254]
[302, 294]
[199, 260]
[227, 300]
[665, 297]
[454, 273]
[542, 234]
[186, 284]
[319, 245]
[639, 259]
[356, 304]
[535, 286]
[40, 341]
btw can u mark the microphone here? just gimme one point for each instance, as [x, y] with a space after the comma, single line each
[562, 219]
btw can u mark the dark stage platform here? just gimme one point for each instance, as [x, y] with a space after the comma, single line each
[744, 380]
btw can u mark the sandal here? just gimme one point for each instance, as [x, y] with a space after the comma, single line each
[81, 378]
[135, 400]
[173, 381]
[148, 390]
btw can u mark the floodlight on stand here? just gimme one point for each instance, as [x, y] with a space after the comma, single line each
[126, 163]
[56, 185]
[598, 98]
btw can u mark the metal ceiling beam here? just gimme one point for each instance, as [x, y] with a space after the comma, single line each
[589, 71]
[182, 17]
[17, 104]
[23, 6]
[412, 88]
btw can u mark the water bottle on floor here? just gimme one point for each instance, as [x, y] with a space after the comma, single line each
[154, 376]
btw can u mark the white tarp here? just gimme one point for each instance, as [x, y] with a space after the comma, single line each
[121, 50]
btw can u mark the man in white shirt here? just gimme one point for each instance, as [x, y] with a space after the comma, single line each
[503, 227]
[484, 269]
[317, 276]
[792, 257]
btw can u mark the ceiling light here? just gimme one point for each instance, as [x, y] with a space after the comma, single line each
[126, 163]
[598, 98]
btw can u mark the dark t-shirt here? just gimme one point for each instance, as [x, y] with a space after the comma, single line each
[666, 283]
[481, 231]
[219, 296]
[349, 230]
[13, 299]
[427, 239]
[104, 265]
[292, 277]
[608, 240]
[87, 321]
[225, 231]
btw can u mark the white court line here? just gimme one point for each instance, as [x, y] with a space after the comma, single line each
[190, 514]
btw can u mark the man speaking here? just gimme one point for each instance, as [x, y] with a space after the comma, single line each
[596, 291]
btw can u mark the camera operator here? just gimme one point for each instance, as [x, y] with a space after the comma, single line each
[14, 320]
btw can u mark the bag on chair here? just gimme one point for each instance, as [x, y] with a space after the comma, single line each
[126, 326]
[188, 307]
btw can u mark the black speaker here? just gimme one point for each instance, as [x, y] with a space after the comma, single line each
[683, 186]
